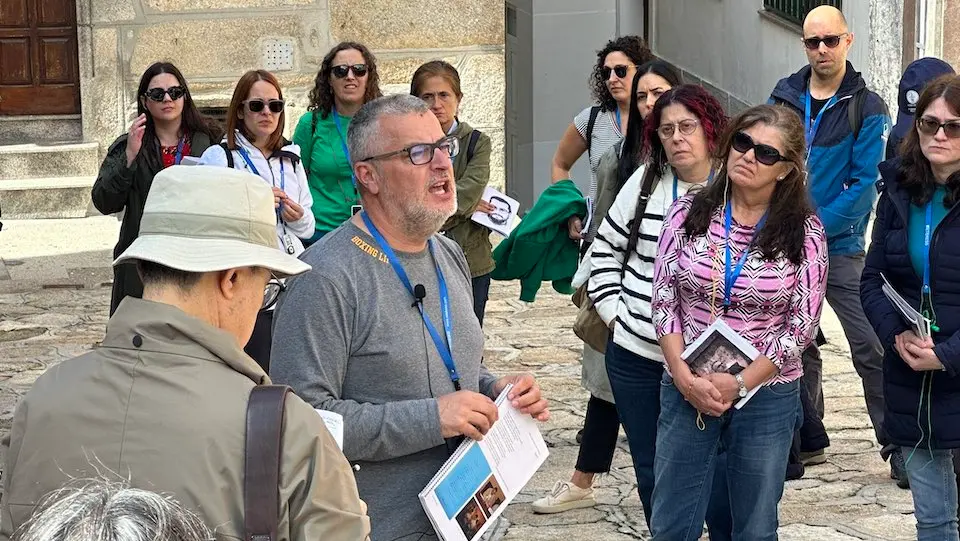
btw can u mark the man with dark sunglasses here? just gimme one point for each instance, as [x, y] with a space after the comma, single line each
[383, 331]
[846, 126]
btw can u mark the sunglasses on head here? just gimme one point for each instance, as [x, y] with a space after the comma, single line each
[255, 106]
[157, 94]
[830, 41]
[930, 126]
[620, 71]
[342, 70]
[765, 154]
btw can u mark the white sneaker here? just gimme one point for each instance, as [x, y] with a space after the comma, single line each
[564, 497]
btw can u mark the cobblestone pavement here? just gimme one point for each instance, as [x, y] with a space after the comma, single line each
[850, 497]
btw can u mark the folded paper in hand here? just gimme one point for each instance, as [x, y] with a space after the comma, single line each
[477, 482]
[919, 323]
[720, 349]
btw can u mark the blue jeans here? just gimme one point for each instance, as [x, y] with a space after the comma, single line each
[635, 382]
[934, 487]
[756, 441]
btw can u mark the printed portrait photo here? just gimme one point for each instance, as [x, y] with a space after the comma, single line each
[471, 518]
[491, 496]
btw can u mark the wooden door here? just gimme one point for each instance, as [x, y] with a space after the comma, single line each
[38, 57]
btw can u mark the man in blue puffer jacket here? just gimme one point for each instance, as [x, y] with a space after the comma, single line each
[846, 126]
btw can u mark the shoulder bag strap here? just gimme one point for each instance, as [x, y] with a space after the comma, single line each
[229, 154]
[261, 479]
[645, 190]
[472, 144]
[594, 113]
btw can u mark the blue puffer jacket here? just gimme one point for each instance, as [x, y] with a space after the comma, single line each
[940, 408]
[842, 169]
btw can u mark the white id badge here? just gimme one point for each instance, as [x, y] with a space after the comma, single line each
[288, 243]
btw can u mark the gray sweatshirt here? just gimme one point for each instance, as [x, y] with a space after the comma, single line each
[347, 339]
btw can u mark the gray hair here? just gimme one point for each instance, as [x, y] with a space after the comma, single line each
[365, 125]
[107, 511]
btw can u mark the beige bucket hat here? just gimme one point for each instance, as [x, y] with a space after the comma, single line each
[200, 218]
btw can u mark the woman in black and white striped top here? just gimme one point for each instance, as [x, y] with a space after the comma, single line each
[681, 136]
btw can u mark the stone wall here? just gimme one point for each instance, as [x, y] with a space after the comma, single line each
[215, 41]
[951, 33]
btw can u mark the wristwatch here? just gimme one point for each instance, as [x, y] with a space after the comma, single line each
[743, 386]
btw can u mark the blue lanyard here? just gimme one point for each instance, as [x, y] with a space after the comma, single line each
[730, 274]
[253, 168]
[617, 112]
[443, 348]
[179, 156]
[676, 183]
[926, 296]
[812, 128]
[343, 144]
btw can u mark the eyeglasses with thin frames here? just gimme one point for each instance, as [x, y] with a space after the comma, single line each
[813, 43]
[930, 126]
[686, 127]
[271, 293]
[422, 153]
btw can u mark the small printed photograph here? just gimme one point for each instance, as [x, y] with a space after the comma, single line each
[503, 215]
[471, 519]
[718, 355]
[491, 496]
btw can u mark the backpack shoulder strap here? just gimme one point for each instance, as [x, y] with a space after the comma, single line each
[261, 475]
[645, 190]
[472, 145]
[855, 112]
[594, 113]
[229, 154]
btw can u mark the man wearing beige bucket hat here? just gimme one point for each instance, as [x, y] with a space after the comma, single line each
[162, 403]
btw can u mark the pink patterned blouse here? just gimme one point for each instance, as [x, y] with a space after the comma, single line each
[774, 304]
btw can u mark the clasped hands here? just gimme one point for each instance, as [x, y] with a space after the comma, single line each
[917, 352]
[712, 394]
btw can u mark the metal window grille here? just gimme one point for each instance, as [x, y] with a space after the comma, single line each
[795, 10]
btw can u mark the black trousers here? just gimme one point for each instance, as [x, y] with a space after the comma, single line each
[481, 291]
[601, 428]
[258, 346]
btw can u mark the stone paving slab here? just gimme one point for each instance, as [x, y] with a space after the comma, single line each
[849, 498]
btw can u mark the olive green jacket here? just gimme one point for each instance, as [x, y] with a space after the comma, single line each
[472, 178]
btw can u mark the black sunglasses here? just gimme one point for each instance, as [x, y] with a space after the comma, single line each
[930, 126]
[422, 153]
[621, 71]
[342, 70]
[157, 94]
[830, 41]
[766, 154]
[255, 106]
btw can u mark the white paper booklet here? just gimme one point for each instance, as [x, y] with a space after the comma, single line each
[720, 349]
[334, 422]
[477, 482]
[920, 324]
[502, 218]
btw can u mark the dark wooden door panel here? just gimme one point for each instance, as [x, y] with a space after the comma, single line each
[38, 57]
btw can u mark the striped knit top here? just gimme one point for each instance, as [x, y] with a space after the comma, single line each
[775, 305]
[606, 133]
[628, 300]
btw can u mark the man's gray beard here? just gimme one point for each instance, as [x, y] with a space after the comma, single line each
[423, 223]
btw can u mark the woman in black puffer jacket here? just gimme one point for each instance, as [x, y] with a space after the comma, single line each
[915, 247]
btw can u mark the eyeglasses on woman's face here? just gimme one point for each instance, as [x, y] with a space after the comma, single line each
[765, 154]
[685, 127]
[929, 126]
[422, 153]
[619, 70]
[256, 105]
[341, 71]
[158, 94]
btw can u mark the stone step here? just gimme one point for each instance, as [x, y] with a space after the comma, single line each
[58, 197]
[17, 130]
[47, 160]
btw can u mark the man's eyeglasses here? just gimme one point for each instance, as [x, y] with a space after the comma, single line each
[686, 127]
[157, 94]
[830, 41]
[930, 126]
[620, 71]
[765, 154]
[272, 292]
[257, 105]
[422, 153]
[343, 70]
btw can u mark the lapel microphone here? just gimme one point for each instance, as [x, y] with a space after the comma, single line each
[419, 292]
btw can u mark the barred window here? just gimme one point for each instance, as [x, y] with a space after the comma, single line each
[794, 11]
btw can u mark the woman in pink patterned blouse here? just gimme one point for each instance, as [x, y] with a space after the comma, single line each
[748, 250]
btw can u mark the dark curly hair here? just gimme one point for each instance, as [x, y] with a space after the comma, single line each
[784, 232]
[321, 97]
[636, 50]
[916, 176]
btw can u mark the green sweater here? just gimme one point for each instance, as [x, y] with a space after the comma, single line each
[472, 178]
[329, 174]
[540, 247]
